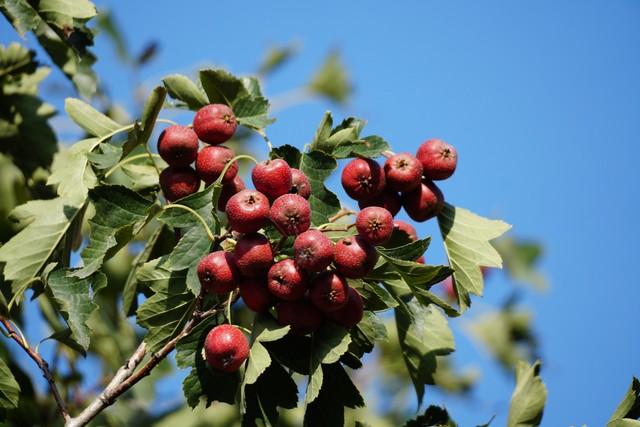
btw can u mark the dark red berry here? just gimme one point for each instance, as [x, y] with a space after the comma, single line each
[420, 260]
[253, 255]
[247, 211]
[285, 281]
[403, 172]
[218, 273]
[291, 214]
[328, 291]
[272, 178]
[212, 160]
[424, 202]
[228, 190]
[215, 123]
[375, 224]
[351, 314]
[407, 228]
[439, 159]
[177, 183]
[363, 179]
[313, 251]
[301, 315]
[355, 257]
[178, 146]
[255, 294]
[300, 183]
[226, 348]
[389, 199]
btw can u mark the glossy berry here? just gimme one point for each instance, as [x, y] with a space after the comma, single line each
[355, 257]
[449, 289]
[301, 315]
[177, 183]
[218, 273]
[212, 160]
[313, 251]
[439, 159]
[351, 314]
[363, 179]
[255, 294]
[215, 123]
[300, 183]
[424, 202]
[420, 260]
[407, 228]
[272, 178]
[226, 348]
[247, 211]
[291, 214]
[403, 172]
[328, 291]
[388, 199]
[228, 190]
[253, 255]
[375, 224]
[285, 281]
[178, 146]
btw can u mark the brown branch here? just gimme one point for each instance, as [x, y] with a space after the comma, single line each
[341, 213]
[42, 364]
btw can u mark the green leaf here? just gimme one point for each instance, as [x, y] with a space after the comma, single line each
[328, 345]
[467, 238]
[199, 202]
[105, 156]
[70, 171]
[9, 388]
[275, 57]
[324, 204]
[275, 388]
[288, 153]
[366, 333]
[183, 89]
[150, 112]
[323, 133]
[376, 297]
[629, 407]
[332, 80]
[265, 329]
[211, 384]
[252, 112]
[90, 119]
[408, 252]
[434, 416]
[120, 215]
[221, 86]
[528, 398]
[520, 258]
[369, 146]
[73, 295]
[191, 247]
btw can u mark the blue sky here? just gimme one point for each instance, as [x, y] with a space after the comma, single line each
[542, 101]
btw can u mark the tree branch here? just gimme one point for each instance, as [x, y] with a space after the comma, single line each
[42, 364]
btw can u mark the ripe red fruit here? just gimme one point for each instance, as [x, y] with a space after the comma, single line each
[313, 251]
[420, 260]
[253, 255]
[439, 159]
[215, 123]
[351, 314]
[247, 211]
[300, 183]
[407, 228]
[226, 348]
[291, 214]
[403, 172]
[363, 179]
[375, 224]
[218, 273]
[449, 289]
[328, 291]
[354, 257]
[424, 202]
[301, 315]
[228, 190]
[285, 281]
[388, 199]
[212, 160]
[272, 177]
[178, 145]
[255, 294]
[177, 183]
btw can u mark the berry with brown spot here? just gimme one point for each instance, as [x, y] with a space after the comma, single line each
[291, 214]
[403, 172]
[352, 312]
[355, 257]
[212, 160]
[226, 348]
[439, 159]
[328, 291]
[423, 203]
[215, 123]
[177, 183]
[285, 281]
[178, 146]
[300, 183]
[253, 255]
[375, 224]
[313, 251]
[247, 211]
[363, 179]
[272, 178]
[218, 273]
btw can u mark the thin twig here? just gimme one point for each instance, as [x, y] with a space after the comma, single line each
[341, 214]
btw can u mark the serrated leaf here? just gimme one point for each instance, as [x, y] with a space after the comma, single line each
[628, 410]
[275, 57]
[408, 252]
[70, 171]
[139, 177]
[182, 88]
[90, 119]
[152, 107]
[332, 80]
[199, 202]
[520, 258]
[105, 156]
[376, 298]
[328, 345]
[434, 416]
[368, 331]
[528, 398]
[369, 146]
[9, 388]
[288, 153]
[467, 238]
[252, 112]
[209, 385]
[317, 167]
[191, 247]
[221, 86]
[265, 329]
[275, 388]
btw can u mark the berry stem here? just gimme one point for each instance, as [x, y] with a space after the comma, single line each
[167, 121]
[230, 300]
[230, 163]
[388, 153]
[195, 214]
[117, 131]
[341, 214]
[129, 160]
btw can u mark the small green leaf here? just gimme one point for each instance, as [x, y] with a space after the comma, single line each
[434, 416]
[183, 89]
[332, 80]
[520, 258]
[275, 57]
[528, 398]
[318, 166]
[191, 247]
[9, 388]
[150, 112]
[629, 406]
[409, 252]
[105, 156]
[252, 112]
[221, 86]
[328, 345]
[369, 146]
[275, 388]
[288, 153]
[90, 119]
[70, 171]
[199, 202]
[265, 329]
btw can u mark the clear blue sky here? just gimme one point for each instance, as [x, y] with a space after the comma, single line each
[542, 100]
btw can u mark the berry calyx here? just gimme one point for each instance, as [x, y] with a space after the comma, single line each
[328, 291]
[439, 159]
[388, 199]
[247, 211]
[403, 172]
[351, 314]
[272, 177]
[177, 183]
[215, 123]
[375, 224]
[226, 348]
[407, 228]
[354, 257]
[228, 190]
[218, 273]
[363, 179]
[313, 251]
[212, 160]
[285, 281]
[253, 255]
[424, 202]
[255, 294]
[178, 145]
[300, 183]
[291, 214]
[301, 315]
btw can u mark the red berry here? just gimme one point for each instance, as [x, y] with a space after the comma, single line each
[291, 214]
[215, 123]
[212, 160]
[328, 291]
[351, 314]
[363, 179]
[272, 178]
[226, 348]
[420, 260]
[301, 315]
[300, 183]
[285, 281]
[247, 211]
[355, 257]
[449, 289]
[177, 183]
[255, 294]
[375, 224]
[407, 228]
[403, 172]
[424, 202]
[178, 145]
[228, 190]
[438, 159]
[389, 199]
[313, 251]
[218, 273]
[253, 255]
